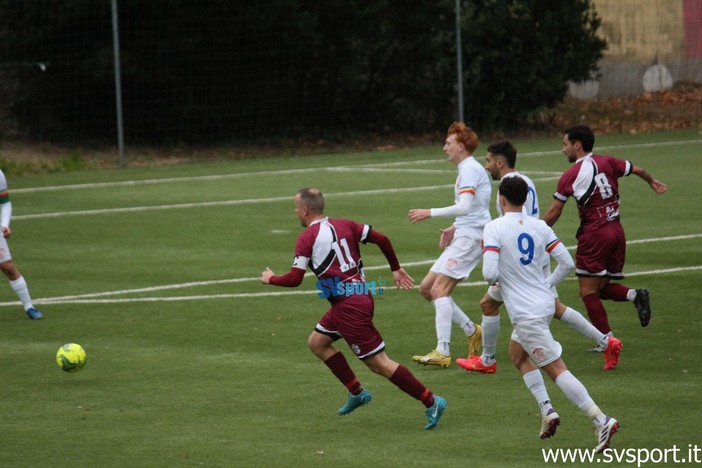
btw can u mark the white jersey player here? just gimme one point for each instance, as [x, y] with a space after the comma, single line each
[514, 246]
[500, 162]
[17, 281]
[461, 243]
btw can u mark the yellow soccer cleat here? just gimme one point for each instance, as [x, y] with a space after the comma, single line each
[433, 358]
[475, 342]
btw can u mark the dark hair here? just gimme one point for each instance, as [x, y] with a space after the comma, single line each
[505, 149]
[514, 189]
[312, 198]
[583, 134]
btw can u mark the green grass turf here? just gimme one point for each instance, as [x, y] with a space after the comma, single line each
[215, 374]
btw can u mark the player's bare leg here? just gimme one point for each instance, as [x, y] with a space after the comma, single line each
[437, 288]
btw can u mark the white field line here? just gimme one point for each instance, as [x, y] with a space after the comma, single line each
[132, 183]
[276, 199]
[282, 293]
[378, 167]
[93, 297]
[314, 169]
[246, 201]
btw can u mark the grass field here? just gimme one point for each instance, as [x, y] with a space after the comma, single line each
[192, 362]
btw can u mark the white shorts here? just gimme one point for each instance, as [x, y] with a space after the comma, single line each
[461, 256]
[495, 293]
[4, 250]
[535, 337]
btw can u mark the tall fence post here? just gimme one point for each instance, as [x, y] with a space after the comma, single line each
[118, 84]
[459, 61]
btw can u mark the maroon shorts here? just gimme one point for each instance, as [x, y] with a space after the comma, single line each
[601, 252]
[352, 320]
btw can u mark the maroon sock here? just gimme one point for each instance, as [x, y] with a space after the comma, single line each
[342, 371]
[615, 292]
[596, 312]
[409, 384]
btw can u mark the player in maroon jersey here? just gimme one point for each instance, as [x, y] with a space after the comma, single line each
[331, 249]
[593, 182]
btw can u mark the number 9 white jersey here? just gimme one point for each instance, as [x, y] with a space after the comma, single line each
[513, 253]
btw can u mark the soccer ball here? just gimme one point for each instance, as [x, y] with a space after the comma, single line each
[71, 357]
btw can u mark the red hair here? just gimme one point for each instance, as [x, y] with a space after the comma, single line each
[464, 135]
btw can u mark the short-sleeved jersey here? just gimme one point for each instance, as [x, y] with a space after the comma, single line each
[593, 183]
[521, 242]
[330, 248]
[531, 205]
[473, 179]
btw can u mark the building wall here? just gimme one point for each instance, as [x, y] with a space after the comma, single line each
[652, 44]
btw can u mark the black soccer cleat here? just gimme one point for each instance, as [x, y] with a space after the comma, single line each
[643, 306]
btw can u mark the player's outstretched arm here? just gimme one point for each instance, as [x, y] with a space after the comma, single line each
[657, 186]
[291, 279]
[418, 214]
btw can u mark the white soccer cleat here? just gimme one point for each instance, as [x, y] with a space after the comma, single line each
[549, 424]
[604, 434]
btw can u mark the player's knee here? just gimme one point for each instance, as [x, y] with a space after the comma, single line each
[314, 343]
[381, 364]
[9, 270]
[518, 356]
[375, 367]
[425, 291]
[489, 306]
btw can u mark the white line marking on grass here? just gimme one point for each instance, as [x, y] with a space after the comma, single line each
[307, 170]
[282, 293]
[90, 297]
[398, 170]
[247, 201]
[195, 284]
[172, 180]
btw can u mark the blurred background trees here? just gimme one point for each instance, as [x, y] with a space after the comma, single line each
[221, 70]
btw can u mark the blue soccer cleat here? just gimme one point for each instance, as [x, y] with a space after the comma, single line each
[355, 401]
[434, 412]
[34, 314]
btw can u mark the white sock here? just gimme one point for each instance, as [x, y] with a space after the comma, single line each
[535, 383]
[631, 295]
[578, 395]
[444, 312]
[580, 324]
[491, 328]
[461, 319]
[19, 286]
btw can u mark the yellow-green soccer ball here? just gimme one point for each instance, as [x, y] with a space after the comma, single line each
[71, 357]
